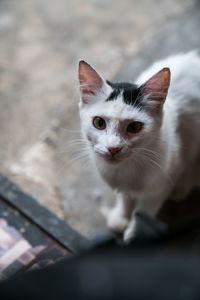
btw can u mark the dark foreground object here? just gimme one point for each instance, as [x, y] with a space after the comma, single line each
[31, 236]
[139, 271]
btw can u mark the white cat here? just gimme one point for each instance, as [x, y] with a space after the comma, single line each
[144, 138]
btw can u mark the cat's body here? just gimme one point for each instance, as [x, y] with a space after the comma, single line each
[158, 154]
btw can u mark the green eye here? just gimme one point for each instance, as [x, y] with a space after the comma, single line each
[134, 127]
[99, 123]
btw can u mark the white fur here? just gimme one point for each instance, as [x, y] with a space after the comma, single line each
[144, 179]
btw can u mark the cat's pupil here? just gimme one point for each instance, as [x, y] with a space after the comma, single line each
[99, 123]
[134, 127]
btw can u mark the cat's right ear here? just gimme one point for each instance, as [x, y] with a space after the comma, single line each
[90, 82]
[156, 88]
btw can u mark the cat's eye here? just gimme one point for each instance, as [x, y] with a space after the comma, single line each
[134, 127]
[99, 123]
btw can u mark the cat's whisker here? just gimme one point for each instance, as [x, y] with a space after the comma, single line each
[78, 131]
[156, 164]
[76, 141]
[67, 152]
[84, 157]
[81, 155]
[153, 158]
[138, 166]
[74, 144]
[155, 154]
[70, 150]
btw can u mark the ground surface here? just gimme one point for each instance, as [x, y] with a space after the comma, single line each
[40, 44]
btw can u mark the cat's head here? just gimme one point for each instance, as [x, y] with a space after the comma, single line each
[120, 119]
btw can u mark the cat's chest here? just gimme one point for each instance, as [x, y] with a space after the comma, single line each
[124, 178]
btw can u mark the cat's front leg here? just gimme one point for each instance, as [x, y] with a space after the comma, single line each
[148, 205]
[118, 218]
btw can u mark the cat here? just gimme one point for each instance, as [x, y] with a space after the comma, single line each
[144, 137]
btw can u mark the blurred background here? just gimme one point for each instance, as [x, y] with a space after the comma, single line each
[41, 42]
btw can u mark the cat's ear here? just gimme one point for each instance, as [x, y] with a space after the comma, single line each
[156, 88]
[90, 82]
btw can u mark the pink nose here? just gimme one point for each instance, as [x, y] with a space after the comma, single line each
[114, 150]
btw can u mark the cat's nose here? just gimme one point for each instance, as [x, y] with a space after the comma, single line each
[114, 150]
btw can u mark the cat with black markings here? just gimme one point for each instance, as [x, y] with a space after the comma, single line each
[144, 138]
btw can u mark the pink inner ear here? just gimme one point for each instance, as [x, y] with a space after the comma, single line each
[157, 86]
[90, 80]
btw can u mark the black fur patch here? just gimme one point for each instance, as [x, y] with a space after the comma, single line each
[130, 93]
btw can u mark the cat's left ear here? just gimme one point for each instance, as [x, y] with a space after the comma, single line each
[156, 88]
[90, 82]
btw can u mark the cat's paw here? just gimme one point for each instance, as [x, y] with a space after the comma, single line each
[116, 222]
[130, 232]
[117, 225]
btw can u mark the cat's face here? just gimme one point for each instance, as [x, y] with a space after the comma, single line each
[121, 119]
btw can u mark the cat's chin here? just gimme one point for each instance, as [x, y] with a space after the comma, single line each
[110, 160]
[113, 161]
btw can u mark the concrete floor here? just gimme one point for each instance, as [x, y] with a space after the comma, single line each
[41, 42]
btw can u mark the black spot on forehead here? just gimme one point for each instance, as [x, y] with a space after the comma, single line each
[130, 93]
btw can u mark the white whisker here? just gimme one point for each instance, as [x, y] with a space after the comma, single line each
[147, 158]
